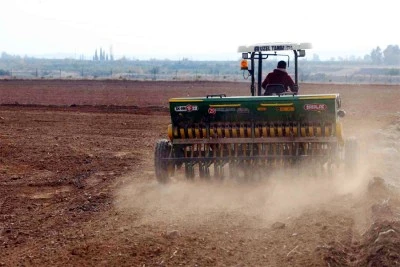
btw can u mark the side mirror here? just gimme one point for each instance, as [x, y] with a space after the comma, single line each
[301, 53]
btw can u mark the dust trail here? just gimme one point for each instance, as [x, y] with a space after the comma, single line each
[384, 150]
[280, 196]
[283, 194]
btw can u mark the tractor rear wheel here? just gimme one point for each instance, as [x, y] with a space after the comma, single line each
[163, 150]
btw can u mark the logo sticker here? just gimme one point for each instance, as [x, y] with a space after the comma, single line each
[315, 107]
[187, 108]
[285, 109]
[212, 111]
[243, 110]
[225, 109]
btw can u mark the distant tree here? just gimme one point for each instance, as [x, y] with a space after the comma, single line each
[5, 55]
[4, 72]
[394, 72]
[367, 58]
[96, 57]
[102, 54]
[111, 54]
[123, 58]
[376, 55]
[391, 55]
[155, 71]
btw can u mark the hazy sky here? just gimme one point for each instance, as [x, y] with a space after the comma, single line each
[206, 29]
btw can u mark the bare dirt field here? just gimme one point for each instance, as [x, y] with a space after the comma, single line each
[77, 185]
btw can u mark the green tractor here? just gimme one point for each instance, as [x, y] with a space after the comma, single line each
[247, 135]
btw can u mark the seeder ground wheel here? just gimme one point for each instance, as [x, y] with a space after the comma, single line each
[162, 170]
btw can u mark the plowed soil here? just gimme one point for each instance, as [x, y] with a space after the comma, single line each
[77, 185]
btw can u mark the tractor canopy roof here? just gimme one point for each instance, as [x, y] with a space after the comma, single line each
[258, 52]
[278, 46]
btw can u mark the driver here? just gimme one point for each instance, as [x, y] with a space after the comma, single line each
[280, 76]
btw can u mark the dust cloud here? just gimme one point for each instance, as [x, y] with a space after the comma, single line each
[384, 152]
[279, 196]
[282, 195]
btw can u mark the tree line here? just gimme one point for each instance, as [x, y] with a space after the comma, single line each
[380, 66]
[378, 56]
[389, 56]
[102, 55]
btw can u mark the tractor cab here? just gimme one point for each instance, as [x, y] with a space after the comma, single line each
[256, 54]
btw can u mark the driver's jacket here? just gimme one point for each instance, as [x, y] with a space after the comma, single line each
[279, 76]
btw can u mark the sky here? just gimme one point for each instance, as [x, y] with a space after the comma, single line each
[198, 30]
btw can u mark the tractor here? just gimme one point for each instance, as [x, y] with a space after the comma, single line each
[253, 136]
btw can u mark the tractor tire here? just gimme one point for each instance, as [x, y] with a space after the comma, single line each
[351, 154]
[162, 150]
